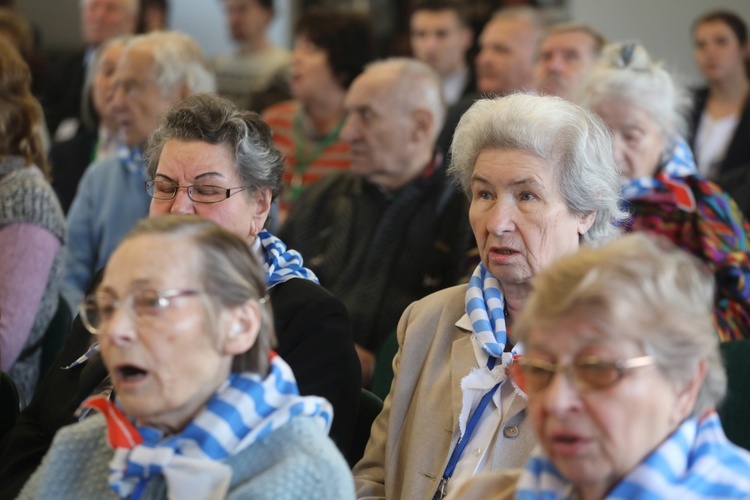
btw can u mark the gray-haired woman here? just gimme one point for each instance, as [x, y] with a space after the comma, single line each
[542, 180]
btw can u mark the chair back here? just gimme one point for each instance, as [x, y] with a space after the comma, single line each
[10, 403]
[369, 408]
[735, 410]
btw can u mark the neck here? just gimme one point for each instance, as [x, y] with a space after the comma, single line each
[253, 45]
[417, 164]
[732, 89]
[324, 112]
[515, 299]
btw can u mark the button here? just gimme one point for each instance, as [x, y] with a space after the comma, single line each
[478, 452]
[510, 432]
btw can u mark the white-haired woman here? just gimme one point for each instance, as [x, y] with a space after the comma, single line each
[203, 408]
[542, 181]
[641, 103]
[623, 376]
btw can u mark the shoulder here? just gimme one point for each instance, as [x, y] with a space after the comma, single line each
[297, 460]
[449, 301]
[102, 169]
[26, 196]
[300, 298]
[299, 290]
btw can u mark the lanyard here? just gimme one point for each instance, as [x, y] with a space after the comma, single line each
[464, 440]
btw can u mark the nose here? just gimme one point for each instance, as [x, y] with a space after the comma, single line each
[349, 131]
[120, 328]
[502, 218]
[560, 396]
[118, 97]
[554, 64]
[182, 204]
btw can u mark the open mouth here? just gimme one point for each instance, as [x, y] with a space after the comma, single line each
[130, 373]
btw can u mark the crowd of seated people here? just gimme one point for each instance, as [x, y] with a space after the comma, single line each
[236, 263]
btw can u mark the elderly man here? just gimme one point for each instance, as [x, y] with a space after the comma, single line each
[154, 71]
[440, 36]
[567, 54]
[392, 229]
[101, 20]
[257, 75]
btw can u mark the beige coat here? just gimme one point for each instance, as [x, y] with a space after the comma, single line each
[412, 437]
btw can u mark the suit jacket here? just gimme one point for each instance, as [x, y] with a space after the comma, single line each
[63, 89]
[314, 338]
[412, 438]
[69, 160]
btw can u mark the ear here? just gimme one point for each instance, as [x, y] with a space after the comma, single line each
[422, 121]
[184, 91]
[586, 222]
[688, 393]
[242, 327]
[260, 213]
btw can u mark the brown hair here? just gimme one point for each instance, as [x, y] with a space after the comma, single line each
[20, 113]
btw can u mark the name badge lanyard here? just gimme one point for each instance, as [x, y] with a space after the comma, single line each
[464, 440]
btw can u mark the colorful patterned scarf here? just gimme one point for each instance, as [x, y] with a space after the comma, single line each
[696, 461]
[282, 264]
[245, 409]
[485, 306]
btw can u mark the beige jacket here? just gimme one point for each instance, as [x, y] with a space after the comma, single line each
[413, 436]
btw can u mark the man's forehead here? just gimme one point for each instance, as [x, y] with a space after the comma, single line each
[569, 39]
[444, 17]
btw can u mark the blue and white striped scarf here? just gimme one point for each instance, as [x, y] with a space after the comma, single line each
[246, 408]
[132, 158]
[679, 164]
[280, 264]
[485, 307]
[696, 461]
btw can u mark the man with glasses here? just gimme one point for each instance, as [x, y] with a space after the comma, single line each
[154, 71]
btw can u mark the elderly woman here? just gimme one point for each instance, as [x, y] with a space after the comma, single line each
[641, 104]
[620, 394]
[331, 48]
[542, 180]
[32, 227]
[203, 408]
[210, 159]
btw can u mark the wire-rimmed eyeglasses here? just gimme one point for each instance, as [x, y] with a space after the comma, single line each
[199, 193]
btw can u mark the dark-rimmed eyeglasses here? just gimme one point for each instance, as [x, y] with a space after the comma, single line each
[199, 193]
[141, 304]
[586, 374]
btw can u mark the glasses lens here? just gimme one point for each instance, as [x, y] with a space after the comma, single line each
[208, 194]
[148, 302]
[593, 373]
[161, 190]
[536, 375]
[89, 311]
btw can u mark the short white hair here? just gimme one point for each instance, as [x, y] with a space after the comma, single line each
[133, 6]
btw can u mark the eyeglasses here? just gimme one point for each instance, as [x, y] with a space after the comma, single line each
[142, 304]
[199, 193]
[586, 374]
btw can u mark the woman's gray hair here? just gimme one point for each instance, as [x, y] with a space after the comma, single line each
[625, 72]
[231, 274]
[215, 120]
[574, 142]
[178, 60]
[641, 288]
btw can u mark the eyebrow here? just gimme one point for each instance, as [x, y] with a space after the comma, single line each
[198, 177]
[520, 182]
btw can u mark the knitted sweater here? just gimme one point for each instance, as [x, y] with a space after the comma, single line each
[27, 198]
[295, 461]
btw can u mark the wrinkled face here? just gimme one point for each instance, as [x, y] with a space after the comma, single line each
[718, 52]
[197, 162]
[380, 134]
[246, 19]
[439, 39]
[103, 86]
[520, 219]
[565, 60]
[594, 438]
[164, 367]
[138, 100]
[311, 72]
[505, 62]
[105, 19]
[638, 140]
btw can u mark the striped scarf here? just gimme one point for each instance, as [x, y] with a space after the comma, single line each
[282, 264]
[670, 177]
[245, 409]
[132, 158]
[696, 461]
[485, 306]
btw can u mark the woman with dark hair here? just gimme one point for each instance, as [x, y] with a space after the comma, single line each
[331, 48]
[32, 227]
[720, 118]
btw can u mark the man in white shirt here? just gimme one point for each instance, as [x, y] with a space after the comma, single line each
[441, 36]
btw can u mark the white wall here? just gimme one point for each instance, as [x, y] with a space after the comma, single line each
[662, 26]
